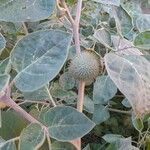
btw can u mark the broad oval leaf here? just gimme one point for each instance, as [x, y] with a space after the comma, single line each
[2, 43]
[32, 137]
[124, 47]
[131, 74]
[142, 40]
[66, 81]
[39, 57]
[66, 123]
[62, 146]
[104, 37]
[111, 138]
[100, 114]
[8, 145]
[143, 22]
[4, 80]
[88, 104]
[40, 94]
[137, 123]
[126, 103]
[11, 126]
[25, 10]
[5, 66]
[104, 90]
[133, 7]
[123, 20]
[109, 2]
[58, 92]
[126, 144]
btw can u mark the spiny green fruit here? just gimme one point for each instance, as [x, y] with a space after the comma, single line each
[85, 66]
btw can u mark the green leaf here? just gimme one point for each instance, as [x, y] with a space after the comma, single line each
[39, 57]
[66, 81]
[10, 27]
[143, 22]
[123, 46]
[2, 43]
[132, 7]
[104, 90]
[1, 139]
[126, 144]
[71, 2]
[40, 94]
[100, 114]
[103, 36]
[5, 66]
[137, 123]
[126, 103]
[12, 124]
[123, 20]
[88, 104]
[87, 147]
[111, 138]
[109, 2]
[131, 74]
[67, 96]
[66, 123]
[112, 146]
[25, 10]
[62, 146]
[145, 6]
[4, 80]
[32, 137]
[142, 40]
[8, 145]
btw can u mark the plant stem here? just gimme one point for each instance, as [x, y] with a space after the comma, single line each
[76, 38]
[9, 102]
[76, 25]
[51, 98]
[68, 12]
[120, 111]
[25, 28]
[81, 96]
[78, 51]
[78, 12]
[31, 101]
[48, 141]
[80, 107]
[14, 139]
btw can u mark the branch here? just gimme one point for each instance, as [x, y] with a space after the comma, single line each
[81, 96]
[81, 89]
[75, 23]
[120, 111]
[32, 101]
[78, 12]
[76, 27]
[25, 28]
[5, 98]
[9, 102]
[68, 12]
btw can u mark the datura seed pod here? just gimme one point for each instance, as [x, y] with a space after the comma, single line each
[85, 66]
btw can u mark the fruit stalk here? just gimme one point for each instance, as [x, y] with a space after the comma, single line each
[78, 51]
[81, 96]
[75, 25]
